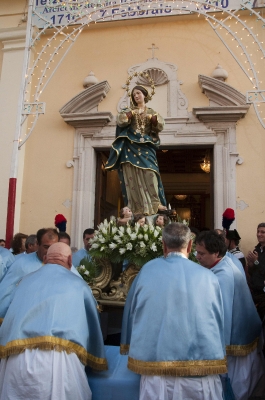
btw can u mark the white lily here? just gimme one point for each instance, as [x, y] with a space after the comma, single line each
[156, 233]
[122, 250]
[153, 247]
[117, 239]
[112, 246]
[95, 246]
[86, 272]
[129, 246]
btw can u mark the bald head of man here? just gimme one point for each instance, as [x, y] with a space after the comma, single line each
[59, 253]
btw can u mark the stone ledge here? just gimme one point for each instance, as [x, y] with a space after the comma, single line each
[221, 114]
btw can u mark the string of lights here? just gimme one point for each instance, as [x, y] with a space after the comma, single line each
[239, 30]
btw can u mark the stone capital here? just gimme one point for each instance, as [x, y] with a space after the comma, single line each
[13, 38]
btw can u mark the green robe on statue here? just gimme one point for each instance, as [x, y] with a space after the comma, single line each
[133, 154]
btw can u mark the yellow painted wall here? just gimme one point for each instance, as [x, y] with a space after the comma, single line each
[11, 12]
[109, 50]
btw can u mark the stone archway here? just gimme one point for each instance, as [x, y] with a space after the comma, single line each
[214, 125]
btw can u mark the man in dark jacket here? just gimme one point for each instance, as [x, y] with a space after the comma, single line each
[256, 271]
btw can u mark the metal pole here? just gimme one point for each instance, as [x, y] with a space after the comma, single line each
[14, 161]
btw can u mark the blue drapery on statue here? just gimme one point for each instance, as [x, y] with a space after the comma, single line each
[140, 151]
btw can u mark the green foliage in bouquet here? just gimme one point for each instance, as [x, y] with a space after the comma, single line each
[192, 255]
[88, 269]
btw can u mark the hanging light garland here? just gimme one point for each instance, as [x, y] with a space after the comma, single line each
[82, 14]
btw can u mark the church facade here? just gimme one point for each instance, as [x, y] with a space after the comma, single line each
[200, 91]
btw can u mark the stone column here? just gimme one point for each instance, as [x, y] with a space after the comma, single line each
[84, 196]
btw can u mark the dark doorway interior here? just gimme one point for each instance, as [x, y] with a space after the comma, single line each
[181, 174]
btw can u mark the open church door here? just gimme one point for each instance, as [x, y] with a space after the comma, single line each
[181, 174]
[187, 177]
[108, 192]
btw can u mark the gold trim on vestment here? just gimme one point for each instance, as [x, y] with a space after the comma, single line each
[124, 349]
[136, 166]
[53, 343]
[1, 321]
[178, 368]
[241, 349]
[117, 154]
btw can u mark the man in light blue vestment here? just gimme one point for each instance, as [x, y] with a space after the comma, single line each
[50, 332]
[24, 265]
[242, 323]
[173, 327]
[8, 259]
[84, 253]
[236, 261]
[233, 258]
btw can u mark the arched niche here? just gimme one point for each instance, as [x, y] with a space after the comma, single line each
[163, 74]
[214, 125]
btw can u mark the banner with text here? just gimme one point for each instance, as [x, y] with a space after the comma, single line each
[60, 13]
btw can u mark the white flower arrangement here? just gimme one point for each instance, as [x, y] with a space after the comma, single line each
[134, 244]
[118, 243]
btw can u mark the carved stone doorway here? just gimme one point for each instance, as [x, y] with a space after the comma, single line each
[212, 126]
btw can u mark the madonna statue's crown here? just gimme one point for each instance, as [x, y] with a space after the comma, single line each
[145, 75]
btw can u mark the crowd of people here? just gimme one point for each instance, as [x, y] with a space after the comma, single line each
[191, 330]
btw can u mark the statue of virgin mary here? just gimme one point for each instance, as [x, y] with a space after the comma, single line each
[133, 154]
